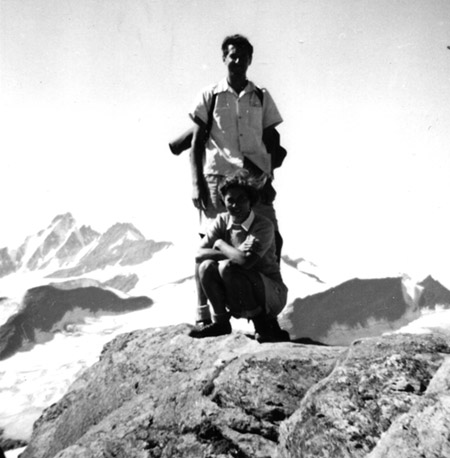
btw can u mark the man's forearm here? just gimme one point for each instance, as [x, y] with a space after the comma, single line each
[199, 191]
[196, 160]
[197, 154]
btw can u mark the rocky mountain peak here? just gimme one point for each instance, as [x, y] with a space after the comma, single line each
[429, 281]
[65, 219]
[434, 293]
[64, 245]
[122, 231]
[39, 250]
[121, 244]
[88, 234]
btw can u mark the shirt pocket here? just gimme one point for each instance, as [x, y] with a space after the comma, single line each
[223, 116]
[255, 117]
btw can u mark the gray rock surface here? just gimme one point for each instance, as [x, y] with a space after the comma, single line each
[160, 393]
[424, 431]
[375, 382]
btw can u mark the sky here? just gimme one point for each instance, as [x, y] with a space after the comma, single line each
[92, 91]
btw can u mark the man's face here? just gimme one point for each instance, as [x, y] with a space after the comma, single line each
[237, 60]
[237, 204]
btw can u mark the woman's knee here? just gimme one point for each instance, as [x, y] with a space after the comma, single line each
[227, 270]
[207, 268]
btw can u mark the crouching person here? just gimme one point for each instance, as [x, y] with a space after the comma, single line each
[237, 266]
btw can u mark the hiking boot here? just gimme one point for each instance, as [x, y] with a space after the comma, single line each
[280, 335]
[263, 329]
[211, 330]
[202, 323]
[267, 329]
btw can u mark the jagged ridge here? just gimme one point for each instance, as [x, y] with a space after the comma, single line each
[63, 249]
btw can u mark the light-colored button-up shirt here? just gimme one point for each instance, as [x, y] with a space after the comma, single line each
[237, 127]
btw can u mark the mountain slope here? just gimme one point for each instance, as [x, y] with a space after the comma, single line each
[46, 310]
[361, 308]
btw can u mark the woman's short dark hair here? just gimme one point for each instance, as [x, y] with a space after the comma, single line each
[243, 180]
[237, 41]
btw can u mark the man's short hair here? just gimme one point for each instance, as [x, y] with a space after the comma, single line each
[237, 41]
[240, 179]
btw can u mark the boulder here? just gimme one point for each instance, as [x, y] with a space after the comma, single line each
[160, 393]
[425, 429]
[376, 382]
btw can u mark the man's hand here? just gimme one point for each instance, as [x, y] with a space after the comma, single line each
[200, 195]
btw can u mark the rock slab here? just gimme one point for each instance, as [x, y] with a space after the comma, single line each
[160, 393]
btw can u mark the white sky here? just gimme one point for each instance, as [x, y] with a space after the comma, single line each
[91, 91]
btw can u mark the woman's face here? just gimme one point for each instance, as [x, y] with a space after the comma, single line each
[237, 204]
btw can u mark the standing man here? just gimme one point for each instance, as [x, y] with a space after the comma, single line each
[230, 120]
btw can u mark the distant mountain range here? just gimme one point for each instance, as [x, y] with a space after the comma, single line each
[67, 262]
[65, 250]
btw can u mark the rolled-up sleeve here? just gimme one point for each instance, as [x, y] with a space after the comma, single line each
[271, 115]
[201, 104]
[217, 230]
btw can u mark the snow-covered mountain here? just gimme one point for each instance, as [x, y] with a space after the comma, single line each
[65, 250]
[65, 274]
[59, 244]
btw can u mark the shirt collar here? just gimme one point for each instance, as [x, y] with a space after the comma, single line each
[223, 86]
[246, 224]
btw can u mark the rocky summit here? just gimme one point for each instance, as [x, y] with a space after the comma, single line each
[160, 393]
